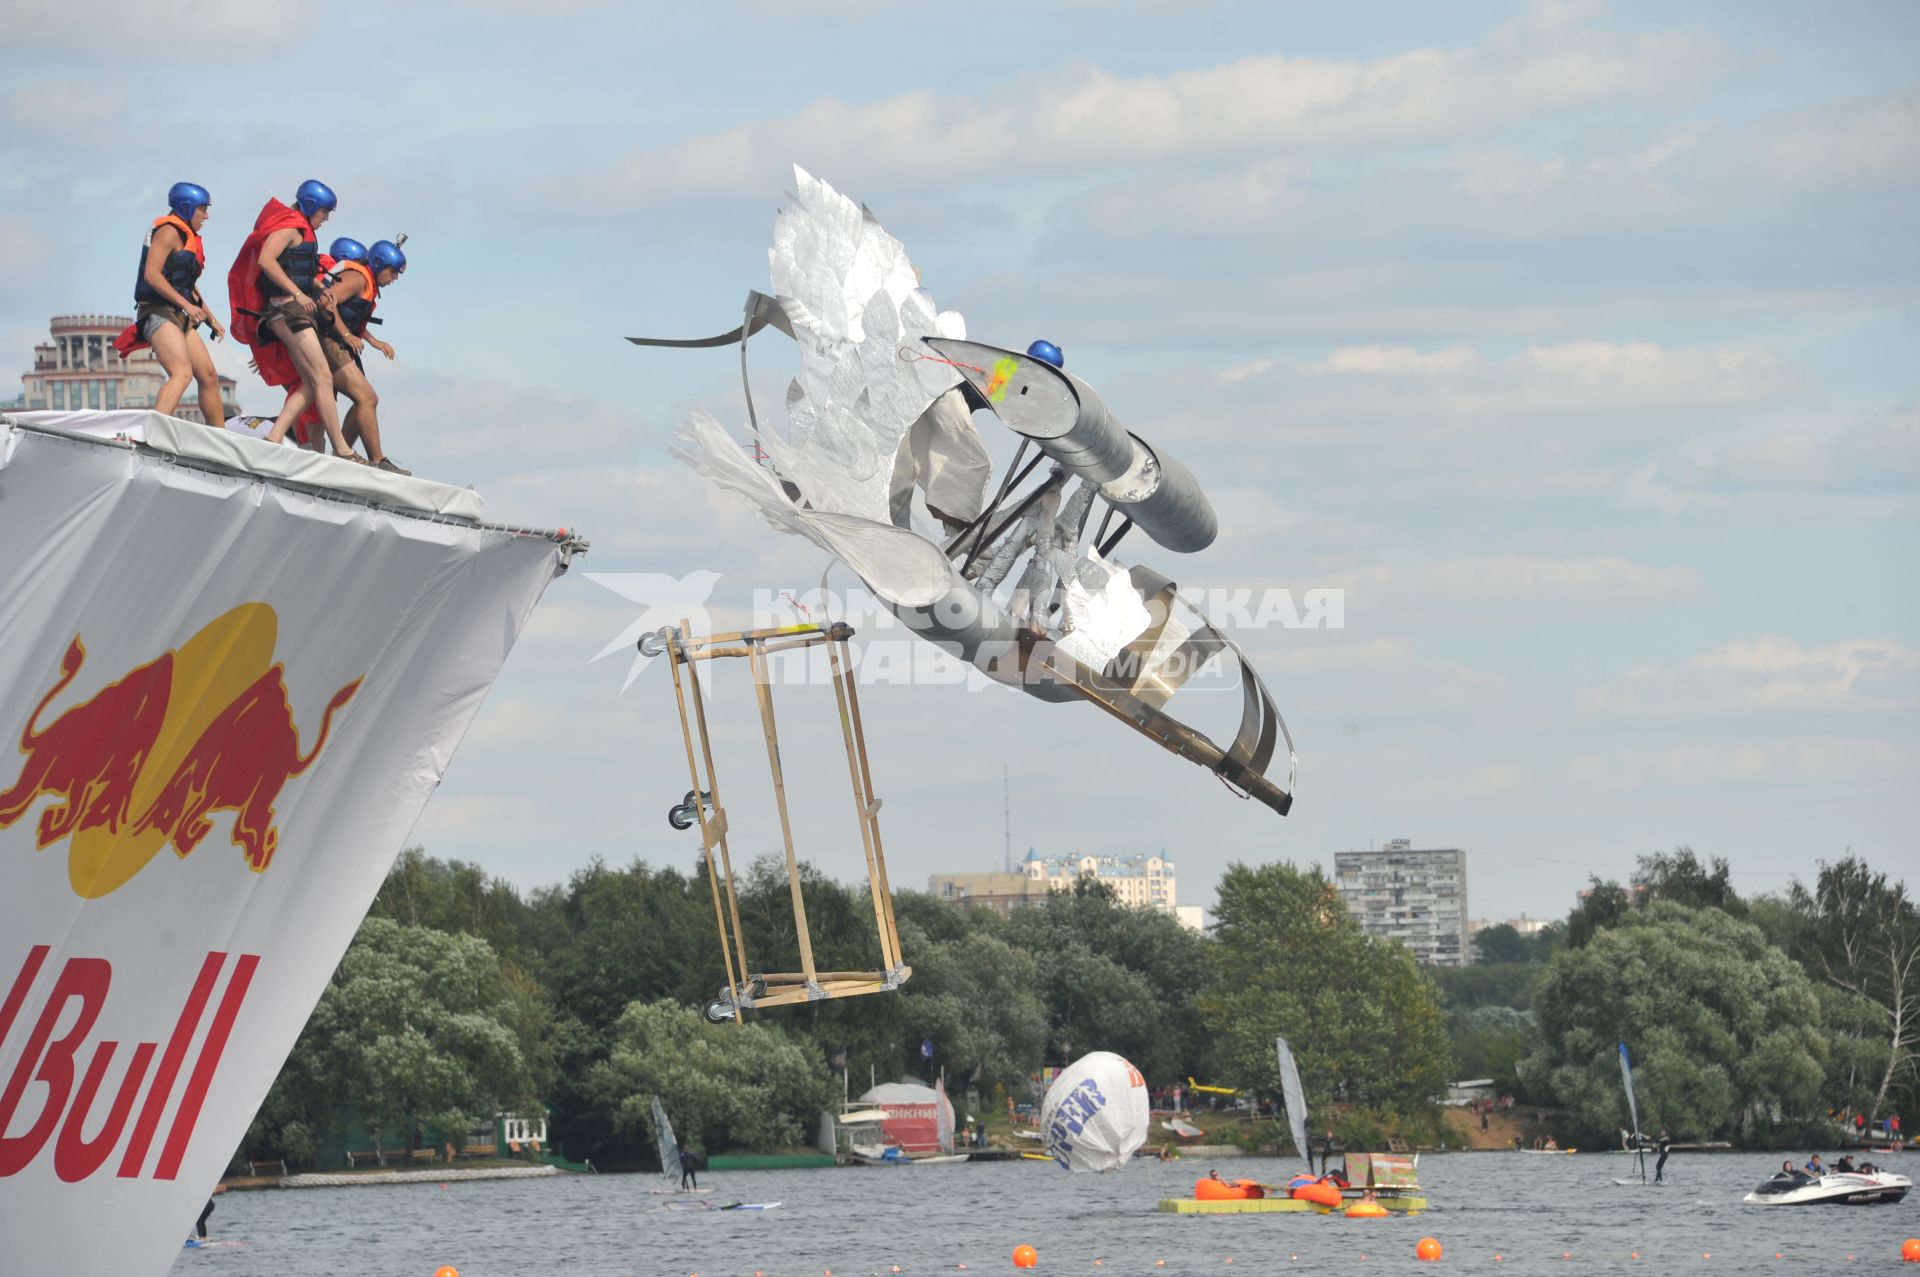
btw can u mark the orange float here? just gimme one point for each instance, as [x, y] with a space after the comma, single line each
[1220, 1190]
[1327, 1195]
[1366, 1210]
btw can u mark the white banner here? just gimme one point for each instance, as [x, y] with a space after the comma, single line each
[223, 704]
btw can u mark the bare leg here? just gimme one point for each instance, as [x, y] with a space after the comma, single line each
[362, 421]
[310, 362]
[296, 404]
[213, 408]
[170, 346]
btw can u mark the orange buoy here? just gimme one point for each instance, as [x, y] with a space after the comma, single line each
[446, 1270]
[1427, 1248]
[1910, 1250]
[1366, 1210]
[1024, 1256]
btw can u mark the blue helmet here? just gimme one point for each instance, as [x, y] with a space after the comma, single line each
[1047, 353]
[386, 255]
[314, 196]
[187, 197]
[347, 250]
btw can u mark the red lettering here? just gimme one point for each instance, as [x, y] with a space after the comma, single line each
[195, 1095]
[83, 978]
[183, 1028]
[74, 1156]
[18, 993]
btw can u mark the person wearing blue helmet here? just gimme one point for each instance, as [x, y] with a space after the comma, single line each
[168, 307]
[349, 303]
[275, 288]
[1047, 353]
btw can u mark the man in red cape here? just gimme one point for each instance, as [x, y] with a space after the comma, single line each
[272, 287]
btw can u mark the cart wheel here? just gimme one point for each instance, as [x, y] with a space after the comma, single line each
[654, 644]
[681, 817]
[720, 1010]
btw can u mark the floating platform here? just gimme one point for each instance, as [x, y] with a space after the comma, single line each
[443, 1178]
[1274, 1206]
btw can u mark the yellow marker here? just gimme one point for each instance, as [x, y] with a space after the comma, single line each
[1003, 370]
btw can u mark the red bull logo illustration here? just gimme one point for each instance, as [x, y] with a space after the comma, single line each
[150, 758]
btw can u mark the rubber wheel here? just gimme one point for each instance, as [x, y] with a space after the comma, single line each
[681, 817]
[719, 1010]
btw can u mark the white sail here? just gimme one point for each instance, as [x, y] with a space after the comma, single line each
[1633, 1109]
[1295, 1097]
[669, 1147]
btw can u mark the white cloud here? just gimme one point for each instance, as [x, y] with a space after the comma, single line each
[1871, 140]
[1790, 764]
[1770, 675]
[1517, 580]
[1082, 118]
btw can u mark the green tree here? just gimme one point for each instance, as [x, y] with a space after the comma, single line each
[418, 1026]
[1724, 1028]
[1602, 905]
[1290, 961]
[1503, 943]
[1864, 934]
[724, 1085]
[1679, 876]
[1491, 1041]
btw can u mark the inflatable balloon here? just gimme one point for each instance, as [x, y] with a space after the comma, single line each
[1095, 1113]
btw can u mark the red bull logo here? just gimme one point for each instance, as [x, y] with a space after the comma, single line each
[63, 1107]
[150, 758]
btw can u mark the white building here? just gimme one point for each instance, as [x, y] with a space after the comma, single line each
[1414, 896]
[1142, 881]
[80, 369]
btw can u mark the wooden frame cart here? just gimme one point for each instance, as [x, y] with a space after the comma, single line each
[746, 988]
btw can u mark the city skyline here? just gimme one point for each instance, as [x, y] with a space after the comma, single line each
[1570, 341]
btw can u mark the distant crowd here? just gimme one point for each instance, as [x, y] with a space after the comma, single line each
[303, 312]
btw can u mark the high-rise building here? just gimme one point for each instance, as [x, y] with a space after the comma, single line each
[79, 370]
[1416, 897]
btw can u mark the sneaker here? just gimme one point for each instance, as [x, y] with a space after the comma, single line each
[387, 464]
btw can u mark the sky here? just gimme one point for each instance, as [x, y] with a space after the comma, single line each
[1571, 341]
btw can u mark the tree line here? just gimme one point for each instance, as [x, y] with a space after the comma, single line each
[1762, 1021]
[462, 997]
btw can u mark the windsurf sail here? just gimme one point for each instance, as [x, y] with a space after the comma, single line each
[669, 1147]
[1633, 1110]
[1295, 1097]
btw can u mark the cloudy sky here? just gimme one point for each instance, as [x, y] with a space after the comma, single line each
[1573, 341]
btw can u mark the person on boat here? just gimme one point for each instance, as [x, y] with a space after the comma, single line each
[168, 307]
[275, 291]
[1814, 1169]
[688, 1165]
[347, 309]
[1789, 1171]
[1845, 1165]
[1552, 1145]
[1664, 1144]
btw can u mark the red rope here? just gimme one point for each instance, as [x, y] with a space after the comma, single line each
[912, 356]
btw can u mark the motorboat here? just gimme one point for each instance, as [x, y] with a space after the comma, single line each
[1853, 1188]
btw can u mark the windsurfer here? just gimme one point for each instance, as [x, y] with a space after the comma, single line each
[688, 1165]
[1664, 1144]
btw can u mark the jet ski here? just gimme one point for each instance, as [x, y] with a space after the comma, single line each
[1853, 1188]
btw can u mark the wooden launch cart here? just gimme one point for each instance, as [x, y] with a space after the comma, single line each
[746, 988]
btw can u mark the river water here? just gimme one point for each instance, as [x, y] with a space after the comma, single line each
[1513, 1213]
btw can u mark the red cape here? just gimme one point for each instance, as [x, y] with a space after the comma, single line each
[243, 293]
